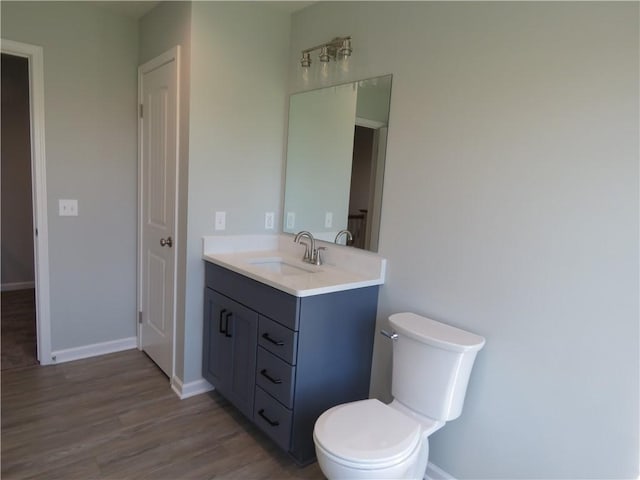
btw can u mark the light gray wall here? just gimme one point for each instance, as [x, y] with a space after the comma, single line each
[90, 60]
[17, 212]
[511, 209]
[237, 116]
[373, 99]
[164, 27]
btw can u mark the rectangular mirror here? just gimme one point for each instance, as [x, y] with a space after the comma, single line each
[335, 161]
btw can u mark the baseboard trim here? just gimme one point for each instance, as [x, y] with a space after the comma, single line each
[434, 472]
[189, 389]
[94, 350]
[7, 287]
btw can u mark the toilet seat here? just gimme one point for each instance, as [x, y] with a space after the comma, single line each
[367, 434]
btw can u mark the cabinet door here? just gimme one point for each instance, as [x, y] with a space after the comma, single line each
[230, 343]
[216, 357]
[242, 332]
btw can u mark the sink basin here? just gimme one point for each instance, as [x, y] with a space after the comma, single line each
[279, 265]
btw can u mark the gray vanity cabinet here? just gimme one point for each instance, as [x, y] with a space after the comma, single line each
[284, 359]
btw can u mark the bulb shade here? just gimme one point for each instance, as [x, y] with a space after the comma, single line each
[345, 49]
[324, 54]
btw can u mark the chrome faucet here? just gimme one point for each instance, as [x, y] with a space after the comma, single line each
[311, 253]
[347, 233]
[308, 252]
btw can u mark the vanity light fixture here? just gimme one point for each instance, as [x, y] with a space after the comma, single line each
[337, 49]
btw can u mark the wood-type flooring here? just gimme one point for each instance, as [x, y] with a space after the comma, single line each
[18, 347]
[115, 417]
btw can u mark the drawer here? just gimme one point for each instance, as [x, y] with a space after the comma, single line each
[278, 339]
[262, 298]
[272, 418]
[276, 377]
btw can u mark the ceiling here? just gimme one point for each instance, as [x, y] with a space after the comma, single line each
[133, 9]
[137, 9]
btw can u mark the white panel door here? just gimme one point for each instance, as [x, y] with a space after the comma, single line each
[158, 153]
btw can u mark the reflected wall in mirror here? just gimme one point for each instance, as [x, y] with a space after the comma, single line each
[335, 161]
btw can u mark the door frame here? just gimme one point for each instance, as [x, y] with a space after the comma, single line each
[378, 158]
[170, 55]
[35, 57]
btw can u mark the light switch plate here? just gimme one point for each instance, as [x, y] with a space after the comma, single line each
[291, 220]
[67, 207]
[328, 219]
[221, 220]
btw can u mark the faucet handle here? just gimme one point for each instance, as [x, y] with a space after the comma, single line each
[317, 259]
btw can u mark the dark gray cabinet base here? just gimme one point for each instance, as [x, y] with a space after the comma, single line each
[283, 360]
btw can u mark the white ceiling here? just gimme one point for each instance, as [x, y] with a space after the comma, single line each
[137, 9]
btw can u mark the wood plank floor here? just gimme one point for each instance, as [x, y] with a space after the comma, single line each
[18, 329]
[115, 417]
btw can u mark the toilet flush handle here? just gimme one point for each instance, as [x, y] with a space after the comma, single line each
[392, 336]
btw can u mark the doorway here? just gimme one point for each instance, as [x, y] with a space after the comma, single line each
[18, 319]
[367, 172]
[158, 143]
[25, 250]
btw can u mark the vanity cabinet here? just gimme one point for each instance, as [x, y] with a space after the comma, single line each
[282, 360]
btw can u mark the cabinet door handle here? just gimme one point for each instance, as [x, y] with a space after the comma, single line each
[273, 423]
[226, 325]
[264, 373]
[222, 312]
[268, 338]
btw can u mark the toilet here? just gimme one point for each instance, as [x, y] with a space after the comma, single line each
[368, 439]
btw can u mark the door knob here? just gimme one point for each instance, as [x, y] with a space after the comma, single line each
[166, 242]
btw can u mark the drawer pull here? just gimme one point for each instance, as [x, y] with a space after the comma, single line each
[220, 327]
[226, 325]
[264, 373]
[268, 338]
[273, 423]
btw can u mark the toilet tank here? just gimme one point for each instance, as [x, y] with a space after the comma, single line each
[431, 365]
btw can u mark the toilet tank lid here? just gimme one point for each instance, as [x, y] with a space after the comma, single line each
[434, 333]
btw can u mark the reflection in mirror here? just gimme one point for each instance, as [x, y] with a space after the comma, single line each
[335, 161]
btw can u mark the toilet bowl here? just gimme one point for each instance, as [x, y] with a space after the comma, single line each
[368, 439]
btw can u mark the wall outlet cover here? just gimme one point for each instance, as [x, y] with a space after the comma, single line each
[269, 220]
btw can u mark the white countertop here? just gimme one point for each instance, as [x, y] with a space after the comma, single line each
[344, 268]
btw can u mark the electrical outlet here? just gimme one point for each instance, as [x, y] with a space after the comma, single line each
[67, 208]
[269, 219]
[291, 220]
[221, 220]
[328, 220]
